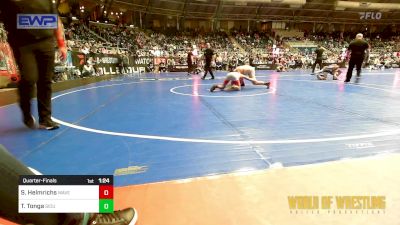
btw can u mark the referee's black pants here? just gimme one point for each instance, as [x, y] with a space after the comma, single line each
[319, 62]
[207, 69]
[36, 65]
[357, 62]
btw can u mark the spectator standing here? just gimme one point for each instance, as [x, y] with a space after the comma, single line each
[189, 61]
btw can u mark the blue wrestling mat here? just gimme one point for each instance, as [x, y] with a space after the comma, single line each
[161, 127]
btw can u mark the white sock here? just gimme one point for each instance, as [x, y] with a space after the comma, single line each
[85, 220]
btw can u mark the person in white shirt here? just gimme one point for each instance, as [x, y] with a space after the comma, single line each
[87, 70]
[251, 73]
[232, 82]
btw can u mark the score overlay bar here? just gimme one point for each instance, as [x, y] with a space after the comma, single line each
[66, 194]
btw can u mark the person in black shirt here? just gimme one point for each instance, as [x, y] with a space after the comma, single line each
[34, 53]
[358, 47]
[319, 51]
[208, 55]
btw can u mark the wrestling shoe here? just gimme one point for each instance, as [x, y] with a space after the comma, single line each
[267, 84]
[49, 125]
[122, 217]
[29, 121]
[212, 89]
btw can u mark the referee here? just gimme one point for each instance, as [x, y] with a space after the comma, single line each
[208, 57]
[319, 51]
[34, 53]
[358, 48]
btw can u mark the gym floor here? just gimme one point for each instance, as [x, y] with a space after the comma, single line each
[183, 155]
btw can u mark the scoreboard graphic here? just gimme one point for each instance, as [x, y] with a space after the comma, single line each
[66, 194]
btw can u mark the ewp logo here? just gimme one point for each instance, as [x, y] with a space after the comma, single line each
[37, 21]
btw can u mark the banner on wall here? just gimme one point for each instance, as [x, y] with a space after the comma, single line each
[109, 64]
[141, 61]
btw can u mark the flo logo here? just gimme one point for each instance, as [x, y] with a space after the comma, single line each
[370, 15]
[37, 21]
